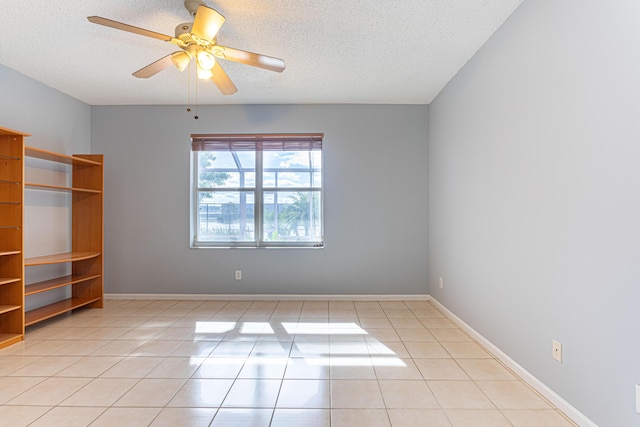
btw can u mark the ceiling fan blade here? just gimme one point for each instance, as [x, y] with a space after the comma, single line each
[155, 67]
[130, 28]
[249, 58]
[207, 23]
[222, 80]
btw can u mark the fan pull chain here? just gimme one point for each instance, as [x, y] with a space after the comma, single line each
[196, 116]
[188, 91]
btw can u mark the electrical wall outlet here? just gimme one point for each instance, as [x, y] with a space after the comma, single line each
[557, 350]
[638, 398]
[238, 274]
[441, 282]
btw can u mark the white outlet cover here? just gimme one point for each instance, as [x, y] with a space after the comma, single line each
[557, 351]
[638, 398]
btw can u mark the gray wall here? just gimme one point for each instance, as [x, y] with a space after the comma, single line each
[57, 122]
[375, 161]
[534, 200]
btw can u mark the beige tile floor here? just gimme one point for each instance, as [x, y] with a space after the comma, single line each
[261, 363]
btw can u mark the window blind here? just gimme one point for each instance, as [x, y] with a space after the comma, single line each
[257, 142]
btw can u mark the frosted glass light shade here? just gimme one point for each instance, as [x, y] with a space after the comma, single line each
[181, 60]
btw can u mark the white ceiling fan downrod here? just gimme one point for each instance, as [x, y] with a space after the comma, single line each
[192, 6]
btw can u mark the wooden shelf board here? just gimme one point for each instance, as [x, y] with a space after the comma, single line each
[51, 310]
[7, 157]
[5, 308]
[12, 132]
[8, 339]
[35, 186]
[57, 157]
[3, 253]
[60, 258]
[7, 280]
[58, 282]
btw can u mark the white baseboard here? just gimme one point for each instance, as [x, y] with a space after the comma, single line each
[571, 412]
[266, 297]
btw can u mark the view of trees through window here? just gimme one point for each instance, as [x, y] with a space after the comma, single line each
[249, 198]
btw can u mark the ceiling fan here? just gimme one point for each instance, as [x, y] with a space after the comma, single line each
[198, 41]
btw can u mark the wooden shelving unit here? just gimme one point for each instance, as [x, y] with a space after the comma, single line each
[86, 278]
[86, 237]
[11, 241]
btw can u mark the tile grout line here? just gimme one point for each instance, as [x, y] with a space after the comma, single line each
[244, 313]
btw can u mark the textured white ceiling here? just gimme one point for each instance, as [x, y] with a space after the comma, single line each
[336, 51]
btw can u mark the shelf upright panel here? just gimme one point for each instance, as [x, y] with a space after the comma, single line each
[11, 236]
[87, 232]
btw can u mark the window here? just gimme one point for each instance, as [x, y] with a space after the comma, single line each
[257, 190]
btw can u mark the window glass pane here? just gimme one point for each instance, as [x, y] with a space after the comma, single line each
[247, 160]
[288, 169]
[286, 159]
[225, 216]
[217, 159]
[316, 179]
[292, 216]
[279, 179]
[316, 164]
[234, 180]
[316, 158]
[219, 169]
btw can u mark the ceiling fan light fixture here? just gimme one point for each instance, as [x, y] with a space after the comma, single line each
[181, 60]
[203, 73]
[206, 60]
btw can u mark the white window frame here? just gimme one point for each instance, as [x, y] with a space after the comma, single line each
[257, 143]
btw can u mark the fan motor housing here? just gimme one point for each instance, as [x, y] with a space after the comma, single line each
[184, 28]
[183, 33]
